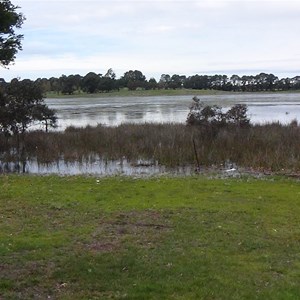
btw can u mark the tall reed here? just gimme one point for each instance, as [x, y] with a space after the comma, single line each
[270, 146]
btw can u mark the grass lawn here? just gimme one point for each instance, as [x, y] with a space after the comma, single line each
[160, 238]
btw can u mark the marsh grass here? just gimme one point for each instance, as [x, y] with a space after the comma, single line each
[164, 238]
[270, 147]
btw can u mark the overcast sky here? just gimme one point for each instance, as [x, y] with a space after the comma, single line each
[158, 36]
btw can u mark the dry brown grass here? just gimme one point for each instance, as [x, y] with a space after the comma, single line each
[270, 146]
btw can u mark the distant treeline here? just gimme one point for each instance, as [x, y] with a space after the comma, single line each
[133, 80]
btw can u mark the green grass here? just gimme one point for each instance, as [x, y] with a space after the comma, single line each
[138, 93]
[159, 238]
[146, 93]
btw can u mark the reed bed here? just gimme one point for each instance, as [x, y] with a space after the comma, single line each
[270, 147]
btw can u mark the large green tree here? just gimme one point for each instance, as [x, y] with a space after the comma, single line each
[22, 105]
[90, 82]
[10, 41]
[133, 79]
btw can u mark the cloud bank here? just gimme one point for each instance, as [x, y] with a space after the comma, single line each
[182, 37]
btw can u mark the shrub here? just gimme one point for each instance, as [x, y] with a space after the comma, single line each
[212, 116]
[237, 115]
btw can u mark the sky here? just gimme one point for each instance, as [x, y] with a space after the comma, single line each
[243, 37]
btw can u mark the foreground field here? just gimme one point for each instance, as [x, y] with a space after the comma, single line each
[160, 238]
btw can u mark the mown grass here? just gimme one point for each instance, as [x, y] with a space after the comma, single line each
[160, 238]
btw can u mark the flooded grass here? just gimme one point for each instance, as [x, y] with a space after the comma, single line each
[162, 238]
[270, 147]
[140, 93]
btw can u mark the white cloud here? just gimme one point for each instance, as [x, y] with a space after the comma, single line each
[158, 36]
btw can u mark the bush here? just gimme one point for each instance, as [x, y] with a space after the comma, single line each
[237, 115]
[212, 116]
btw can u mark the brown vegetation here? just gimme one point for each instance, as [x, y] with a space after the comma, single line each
[270, 146]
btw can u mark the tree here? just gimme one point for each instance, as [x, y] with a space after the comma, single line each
[152, 84]
[46, 116]
[90, 82]
[284, 84]
[195, 111]
[237, 115]
[108, 81]
[206, 115]
[45, 84]
[135, 75]
[55, 85]
[236, 82]
[213, 117]
[245, 80]
[133, 79]
[177, 81]
[197, 82]
[106, 84]
[295, 82]
[22, 105]
[218, 82]
[164, 81]
[67, 84]
[110, 74]
[272, 80]
[10, 42]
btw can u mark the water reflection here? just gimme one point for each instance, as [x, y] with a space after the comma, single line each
[135, 115]
[94, 166]
[98, 167]
[113, 111]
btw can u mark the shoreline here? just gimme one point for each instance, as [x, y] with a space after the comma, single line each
[158, 93]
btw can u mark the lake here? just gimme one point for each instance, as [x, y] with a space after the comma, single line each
[113, 111]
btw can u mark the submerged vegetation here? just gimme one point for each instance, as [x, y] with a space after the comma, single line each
[211, 137]
[266, 147]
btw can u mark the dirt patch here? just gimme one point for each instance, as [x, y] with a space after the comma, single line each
[103, 246]
[142, 228]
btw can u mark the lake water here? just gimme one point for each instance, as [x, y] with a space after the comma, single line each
[100, 168]
[112, 111]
